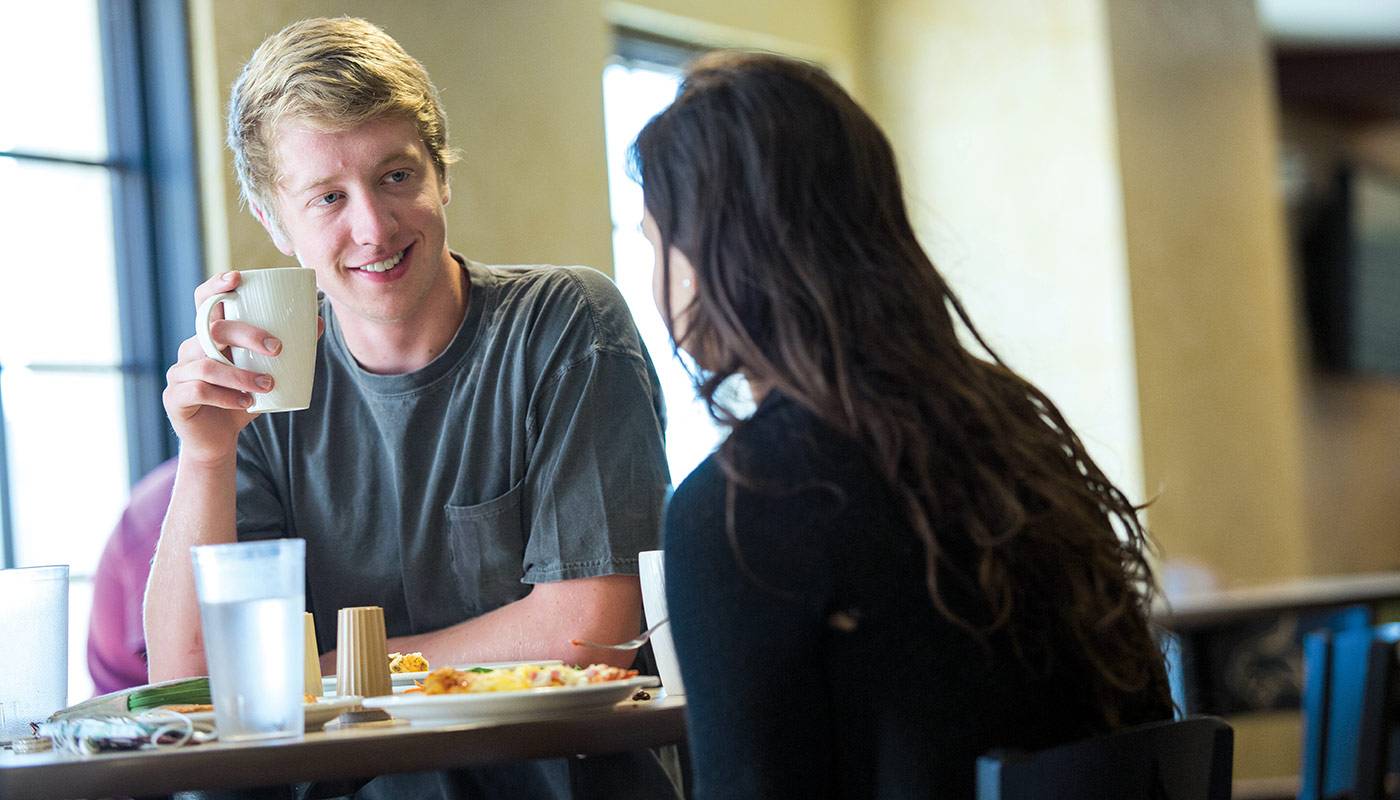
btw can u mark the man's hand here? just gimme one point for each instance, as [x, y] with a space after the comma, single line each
[207, 400]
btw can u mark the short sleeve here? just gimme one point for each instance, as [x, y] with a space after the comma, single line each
[598, 476]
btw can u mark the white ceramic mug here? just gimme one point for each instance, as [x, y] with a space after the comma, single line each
[281, 301]
[651, 564]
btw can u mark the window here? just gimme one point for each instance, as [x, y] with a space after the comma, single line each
[98, 210]
[639, 83]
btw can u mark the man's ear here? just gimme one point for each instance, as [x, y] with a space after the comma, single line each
[274, 230]
[446, 192]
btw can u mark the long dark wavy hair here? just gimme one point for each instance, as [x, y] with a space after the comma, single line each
[783, 194]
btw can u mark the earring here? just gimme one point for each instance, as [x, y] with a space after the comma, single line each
[685, 283]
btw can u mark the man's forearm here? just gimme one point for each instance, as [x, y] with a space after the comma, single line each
[539, 626]
[201, 512]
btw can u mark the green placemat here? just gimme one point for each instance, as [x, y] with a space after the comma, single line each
[140, 698]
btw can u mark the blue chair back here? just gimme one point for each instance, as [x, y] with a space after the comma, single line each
[1186, 759]
[1349, 678]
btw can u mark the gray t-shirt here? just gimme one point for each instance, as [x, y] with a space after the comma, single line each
[529, 451]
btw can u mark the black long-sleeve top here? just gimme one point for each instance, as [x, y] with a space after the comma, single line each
[814, 661]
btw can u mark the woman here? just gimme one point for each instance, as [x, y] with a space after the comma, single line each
[904, 558]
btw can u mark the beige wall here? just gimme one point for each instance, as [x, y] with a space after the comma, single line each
[1353, 469]
[1212, 297]
[522, 86]
[1097, 179]
[1351, 423]
[522, 83]
[1001, 115]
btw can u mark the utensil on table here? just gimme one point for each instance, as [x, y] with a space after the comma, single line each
[630, 644]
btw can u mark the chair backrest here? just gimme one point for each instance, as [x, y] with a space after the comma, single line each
[1175, 663]
[1187, 759]
[1349, 678]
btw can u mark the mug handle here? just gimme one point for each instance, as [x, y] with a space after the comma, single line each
[202, 323]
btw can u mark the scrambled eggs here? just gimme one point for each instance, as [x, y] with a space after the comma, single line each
[407, 662]
[528, 676]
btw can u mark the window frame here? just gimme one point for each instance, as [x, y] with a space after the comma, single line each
[156, 221]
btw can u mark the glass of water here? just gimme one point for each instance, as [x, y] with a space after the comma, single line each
[34, 630]
[251, 599]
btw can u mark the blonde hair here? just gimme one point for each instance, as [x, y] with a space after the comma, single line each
[332, 74]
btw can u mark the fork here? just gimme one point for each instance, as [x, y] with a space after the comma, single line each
[630, 644]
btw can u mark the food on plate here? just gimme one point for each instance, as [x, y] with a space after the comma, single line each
[407, 662]
[447, 680]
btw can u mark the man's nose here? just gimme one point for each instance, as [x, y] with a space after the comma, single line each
[373, 221]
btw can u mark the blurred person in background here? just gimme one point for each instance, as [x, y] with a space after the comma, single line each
[116, 641]
[904, 558]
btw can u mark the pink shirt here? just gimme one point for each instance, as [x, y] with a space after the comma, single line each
[116, 639]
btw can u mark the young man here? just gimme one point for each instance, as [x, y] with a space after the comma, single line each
[483, 454]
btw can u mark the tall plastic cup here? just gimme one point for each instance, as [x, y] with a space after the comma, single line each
[251, 599]
[34, 629]
[652, 565]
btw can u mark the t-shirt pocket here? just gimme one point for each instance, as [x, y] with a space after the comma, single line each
[487, 547]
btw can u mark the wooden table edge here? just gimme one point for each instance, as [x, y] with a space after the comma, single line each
[344, 755]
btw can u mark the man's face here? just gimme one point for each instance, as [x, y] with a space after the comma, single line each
[364, 208]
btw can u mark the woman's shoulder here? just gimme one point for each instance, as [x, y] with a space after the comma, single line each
[788, 442]
[783, 481]
[695, 511]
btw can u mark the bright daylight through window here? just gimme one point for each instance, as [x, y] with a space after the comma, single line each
[92, 89]
[60, 383]
[634, 92]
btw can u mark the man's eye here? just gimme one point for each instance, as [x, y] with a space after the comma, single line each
[328, 198]
[397, 176]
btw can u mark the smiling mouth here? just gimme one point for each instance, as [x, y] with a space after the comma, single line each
[385, 265]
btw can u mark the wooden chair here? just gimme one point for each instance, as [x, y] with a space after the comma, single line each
[1351, 679]
[1186, 759]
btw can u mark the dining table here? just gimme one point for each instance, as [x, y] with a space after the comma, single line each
[342, 753]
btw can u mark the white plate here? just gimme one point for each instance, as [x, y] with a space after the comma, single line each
[405, 680]
[547, 701]
[317, 713]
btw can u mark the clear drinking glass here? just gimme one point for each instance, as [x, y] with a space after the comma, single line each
[34, 630]
[652, 565]
[251, 599]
